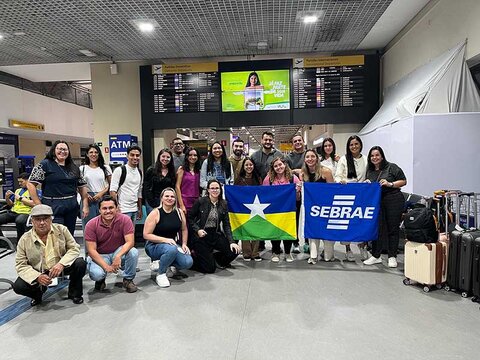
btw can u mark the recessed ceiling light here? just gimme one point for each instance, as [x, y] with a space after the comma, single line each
[310, 19]
[145, 25]
[19, 33]
[1, 36]
[88, 53]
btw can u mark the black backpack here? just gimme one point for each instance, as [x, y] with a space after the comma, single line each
[420, 225]
[123, 176]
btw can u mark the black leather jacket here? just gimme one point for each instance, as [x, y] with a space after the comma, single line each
[197, 217]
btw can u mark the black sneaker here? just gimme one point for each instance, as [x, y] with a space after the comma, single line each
[100, 285]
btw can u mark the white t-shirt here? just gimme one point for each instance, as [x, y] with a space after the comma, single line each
[331, 164]
[360, 168]
[95, 177]
[130, 191]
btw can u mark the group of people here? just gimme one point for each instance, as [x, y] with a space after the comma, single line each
[183, 229]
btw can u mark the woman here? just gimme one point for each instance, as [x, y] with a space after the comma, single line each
[328, 154]
[161, 231]
[98, 176]
[210, 225]
[253, 80]
[391, 178]
[216, 166]
[60, 179]
[280, 174]
[249, 176]
[352, 168]
[188, 180]
[157, 178]
[313, 171]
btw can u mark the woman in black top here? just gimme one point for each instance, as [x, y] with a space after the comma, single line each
[158, 177]
[313, 171]
[161, 230]
[391, 178]
[60, 179]
[249, 176]
[210, 225]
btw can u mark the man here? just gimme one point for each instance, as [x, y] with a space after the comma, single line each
[109, 239]
[264, 156]
[21, 203]
[295, 160]
[237, 156]
[44, 253]
[177, 151]
[126, 185]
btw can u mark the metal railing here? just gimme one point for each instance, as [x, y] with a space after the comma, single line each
[60, 90]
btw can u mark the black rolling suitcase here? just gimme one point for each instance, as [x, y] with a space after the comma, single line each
[476, 271]
[454, 235]
[462, 244]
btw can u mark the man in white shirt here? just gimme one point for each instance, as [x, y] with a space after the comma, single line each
[126, 185]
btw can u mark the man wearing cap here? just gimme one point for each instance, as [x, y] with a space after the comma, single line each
[44, 253]
[109, 239]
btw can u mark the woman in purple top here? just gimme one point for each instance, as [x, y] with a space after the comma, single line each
[188, 180]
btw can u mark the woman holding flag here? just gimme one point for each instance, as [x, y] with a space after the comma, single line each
[249, 175]
[313, 171]
[352, 168]
[280, 174]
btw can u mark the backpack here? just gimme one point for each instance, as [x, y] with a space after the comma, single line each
[124, 175]
[420, 225]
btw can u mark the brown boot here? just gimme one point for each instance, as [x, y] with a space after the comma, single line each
[129, 286]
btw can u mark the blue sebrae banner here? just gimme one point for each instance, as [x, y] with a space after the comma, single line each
[341, 212]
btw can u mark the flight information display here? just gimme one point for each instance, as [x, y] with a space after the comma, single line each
[184, 88]
[329, 82]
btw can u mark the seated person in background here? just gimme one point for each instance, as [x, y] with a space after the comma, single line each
[109, 238]
[21, 206]
[208, 216]
[44, 253]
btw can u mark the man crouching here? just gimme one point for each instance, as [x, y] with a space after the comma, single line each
[109, 239]
[45, 252]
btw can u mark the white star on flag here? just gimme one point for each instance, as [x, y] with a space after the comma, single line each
[257, 208]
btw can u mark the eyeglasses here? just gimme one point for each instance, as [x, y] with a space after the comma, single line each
[62, 150]
[40, 219]
[177, 144]
[214, 189]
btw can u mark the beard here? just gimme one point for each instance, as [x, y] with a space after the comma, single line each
[238, 152]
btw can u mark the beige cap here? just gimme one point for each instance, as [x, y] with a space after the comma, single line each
[41, 209]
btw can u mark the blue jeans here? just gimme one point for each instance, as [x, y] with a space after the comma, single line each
[93, 211]
[132, 216]
[129, 265]
[168, 256]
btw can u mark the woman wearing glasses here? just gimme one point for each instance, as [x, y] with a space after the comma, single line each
[60, 179]
[211, 231]
[98, 176]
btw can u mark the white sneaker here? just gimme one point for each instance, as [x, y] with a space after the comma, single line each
[155, 265]
[247, 258]
[275, 258]
[312, 261]
[392, 262]
[373, 260]
[162, 280]
[349, 256]
[289, 258]
[364, 255]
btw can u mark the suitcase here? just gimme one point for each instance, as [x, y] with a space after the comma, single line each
[426, 264]
[476, 271]
[460, 267]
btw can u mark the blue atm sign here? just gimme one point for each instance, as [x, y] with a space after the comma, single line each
[118, 146]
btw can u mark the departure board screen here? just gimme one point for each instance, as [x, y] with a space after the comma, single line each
[185, 92]
[329, 82]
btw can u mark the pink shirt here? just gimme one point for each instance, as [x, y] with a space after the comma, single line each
[108, 238]
[266, 181]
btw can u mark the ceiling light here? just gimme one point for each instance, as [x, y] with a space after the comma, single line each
[243, 127]
[88, 53]
[1, 36]
[19, 33]
[310, 19]
[146, 27]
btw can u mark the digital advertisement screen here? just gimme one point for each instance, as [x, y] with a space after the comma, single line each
[255, 90]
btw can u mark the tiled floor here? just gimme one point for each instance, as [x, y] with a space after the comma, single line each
[254, 311]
